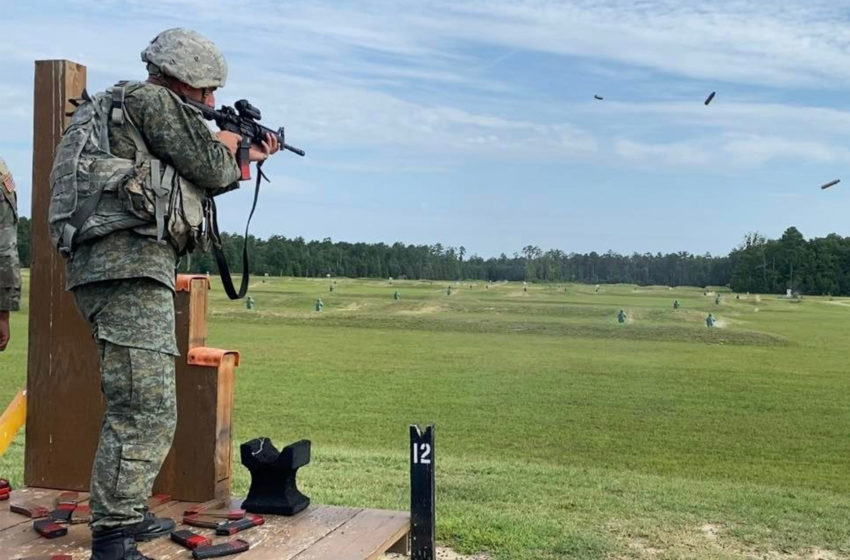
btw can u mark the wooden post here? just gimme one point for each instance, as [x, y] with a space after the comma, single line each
[63, 381]
[422, 506]
[65, 406]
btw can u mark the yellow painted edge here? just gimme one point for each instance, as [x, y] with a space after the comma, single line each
[13, 418]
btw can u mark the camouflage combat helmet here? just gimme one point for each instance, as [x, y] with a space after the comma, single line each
[188, 56]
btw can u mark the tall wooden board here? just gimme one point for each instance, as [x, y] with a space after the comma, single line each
[63, 382]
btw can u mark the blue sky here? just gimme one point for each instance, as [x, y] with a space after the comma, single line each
[474, 123]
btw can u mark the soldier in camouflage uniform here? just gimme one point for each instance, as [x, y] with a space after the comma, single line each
[123, 284]
[10, 274]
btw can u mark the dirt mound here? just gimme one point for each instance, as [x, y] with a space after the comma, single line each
[426, 310]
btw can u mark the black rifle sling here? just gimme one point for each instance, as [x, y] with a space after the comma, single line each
[221, 260]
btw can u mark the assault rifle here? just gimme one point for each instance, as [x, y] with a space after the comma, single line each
[243, 121]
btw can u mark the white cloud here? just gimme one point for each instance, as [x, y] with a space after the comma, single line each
[726, 114]
[739, 41]
[678, 154]
[730, 150]
[757, 150]
[339, 116]
[802, 44]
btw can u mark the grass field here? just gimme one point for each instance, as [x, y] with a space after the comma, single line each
[560, 433]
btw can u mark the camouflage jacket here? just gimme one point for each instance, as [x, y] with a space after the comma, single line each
[178, 135]
[10, 274]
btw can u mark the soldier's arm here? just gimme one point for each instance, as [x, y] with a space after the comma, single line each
[178, 135]
[10, 276]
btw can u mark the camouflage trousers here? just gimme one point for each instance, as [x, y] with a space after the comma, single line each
[133, 323]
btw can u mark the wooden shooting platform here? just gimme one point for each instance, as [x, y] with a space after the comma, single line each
[317, 533]
[65, 404]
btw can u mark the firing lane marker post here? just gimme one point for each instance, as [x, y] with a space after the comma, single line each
[422, 512]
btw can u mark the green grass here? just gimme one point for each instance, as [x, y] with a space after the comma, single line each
[560, 433]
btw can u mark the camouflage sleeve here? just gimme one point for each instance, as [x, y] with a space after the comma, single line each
[177, 134]
[10, 274]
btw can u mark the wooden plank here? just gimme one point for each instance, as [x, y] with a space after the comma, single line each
[165, 549]
[330, 533]
[198, 312]
[224, 424]
[402, 546]
[366, 536]
[24, 541]
[22, 537]
[63, 379]
[279, 538]
[283, 538]
[10, 519]
[77, 543]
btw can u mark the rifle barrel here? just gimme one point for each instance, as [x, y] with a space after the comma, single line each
[298, 151]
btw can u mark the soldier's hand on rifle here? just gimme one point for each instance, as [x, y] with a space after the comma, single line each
[4, 329]
[262, 152]
[257, 153]
[229, 139]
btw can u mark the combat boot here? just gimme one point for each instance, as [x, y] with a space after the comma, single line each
[152, 527]
[115, 544]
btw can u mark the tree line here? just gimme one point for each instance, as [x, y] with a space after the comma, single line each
[819, 266]
[279, 256]
[816, 266]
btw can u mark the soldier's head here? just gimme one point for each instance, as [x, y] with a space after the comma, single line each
[187, 63]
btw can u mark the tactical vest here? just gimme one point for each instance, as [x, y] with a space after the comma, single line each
[95, 193]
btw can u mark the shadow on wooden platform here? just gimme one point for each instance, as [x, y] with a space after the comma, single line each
[317, 533]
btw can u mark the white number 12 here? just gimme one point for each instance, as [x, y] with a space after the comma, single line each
[425, 457]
